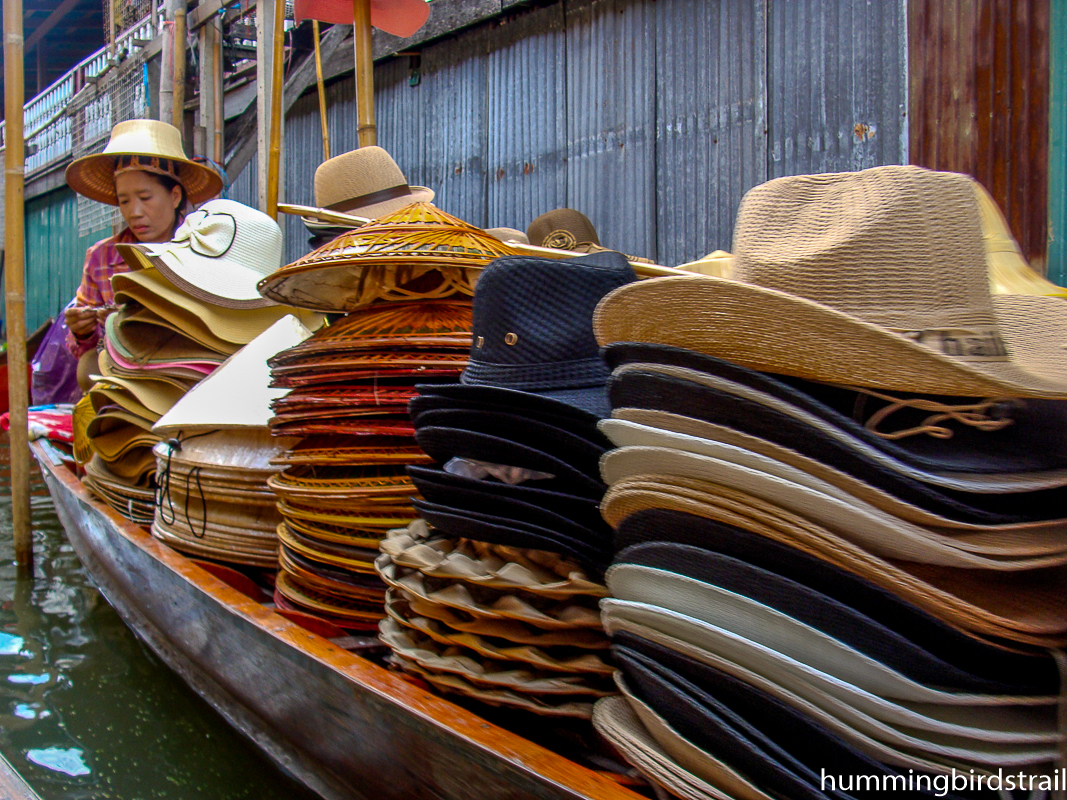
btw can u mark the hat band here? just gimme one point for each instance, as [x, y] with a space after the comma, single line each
[372, 198]
[965, 344]
[154, 164]
[579, 374]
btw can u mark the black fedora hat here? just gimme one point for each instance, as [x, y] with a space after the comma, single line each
[497, 530]
[718, 405]
[1019, 673]
[533, 326]
[1035, 443]
[583, 425]
[782, 749]
[582, 510]
[888, 644]
[557, 441]
[444, 444]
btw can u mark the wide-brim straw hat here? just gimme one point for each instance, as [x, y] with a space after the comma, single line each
[218, 254]
[875, 278]
[1009, 273]
[147, 398]
[148, 141]
[417, 252]
[155, 347]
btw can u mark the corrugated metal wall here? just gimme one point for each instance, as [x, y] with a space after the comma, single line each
[979, 95]
[653, 118]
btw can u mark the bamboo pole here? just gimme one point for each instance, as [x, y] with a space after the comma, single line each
[178, 113]
[361, 30]
[220, 113]
[322, 92]
[275, 154]
[15, 280]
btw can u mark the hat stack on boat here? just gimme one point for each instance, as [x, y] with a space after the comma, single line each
[214, 501]
[493, 593]
[838, 495]
[406, 281]
[184, 308]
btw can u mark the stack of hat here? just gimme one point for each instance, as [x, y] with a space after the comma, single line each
[184, 308]
[838, 496]
[405, 280]
[517, 493]
[214, 501]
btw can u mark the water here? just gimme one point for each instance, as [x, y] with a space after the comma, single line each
[86, 709]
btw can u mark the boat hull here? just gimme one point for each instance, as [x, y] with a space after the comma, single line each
[340, 724]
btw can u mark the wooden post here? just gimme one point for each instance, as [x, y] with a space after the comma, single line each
[264, 78]
[178, 113]
[206, 77]
[111, 28]
[361, 30]
[15, 280]
[276, 115]
[322, 92]
[220, 113]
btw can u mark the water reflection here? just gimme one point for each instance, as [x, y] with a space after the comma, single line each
[88, 711]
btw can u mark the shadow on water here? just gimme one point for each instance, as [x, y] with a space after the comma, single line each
[86, 709]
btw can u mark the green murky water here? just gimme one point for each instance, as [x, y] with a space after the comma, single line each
[86, 709]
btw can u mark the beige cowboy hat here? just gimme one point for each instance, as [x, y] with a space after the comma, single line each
[146, 145]
[218, 254]
[875, 278]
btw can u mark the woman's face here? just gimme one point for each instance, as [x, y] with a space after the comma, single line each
[149, 209]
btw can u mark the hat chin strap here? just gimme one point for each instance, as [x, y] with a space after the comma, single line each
[986, 415]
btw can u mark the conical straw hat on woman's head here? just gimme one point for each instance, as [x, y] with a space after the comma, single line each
[147, 145]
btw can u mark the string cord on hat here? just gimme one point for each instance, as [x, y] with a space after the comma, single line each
[985, 415]
[203, 502]
[163, 494]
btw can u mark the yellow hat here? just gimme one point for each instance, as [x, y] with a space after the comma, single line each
[1008, 271]
[146, 145]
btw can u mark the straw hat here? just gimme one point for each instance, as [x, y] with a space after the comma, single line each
[563, 229]
[365, 183]
[146, 145]
[398, 17]
[1008, 271]
[508, 235]
[218, 254]
[875, 278]
[717, 263]
[418, 252]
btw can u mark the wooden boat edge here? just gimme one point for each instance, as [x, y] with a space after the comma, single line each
[523, 768]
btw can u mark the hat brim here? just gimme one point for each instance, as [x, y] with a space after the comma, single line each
[94, 177]
[771, 331]
[586, 405]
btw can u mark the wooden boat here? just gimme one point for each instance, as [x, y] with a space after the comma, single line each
[339, 723]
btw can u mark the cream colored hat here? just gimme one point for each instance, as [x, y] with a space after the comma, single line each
[875, 278]
[237, 394]
[218, 254]
[717, 263]
[366, 183]
[146, 145]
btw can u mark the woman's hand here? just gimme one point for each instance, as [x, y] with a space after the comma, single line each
[82, 320]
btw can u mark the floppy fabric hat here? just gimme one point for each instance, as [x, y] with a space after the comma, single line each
[1009, 273]
[416, 252]
[154, 397]
[725, 403]
[562, 229]
[563, 432]
[874, 278]
[218, 254]
[399, 17]
[1019, 539]
[137, 318]
[147, 145]
[919, 431]
[161, 348]
[237, 395]
[531, 326]
[497, 398]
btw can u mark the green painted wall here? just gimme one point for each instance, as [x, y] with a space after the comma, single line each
[55, 254]
[1057, 151]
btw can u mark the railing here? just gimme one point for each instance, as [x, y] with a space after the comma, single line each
[48, 129]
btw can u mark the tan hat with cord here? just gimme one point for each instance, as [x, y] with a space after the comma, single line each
[563, 229]
[145, 145]
[365, 182]
[875, 278]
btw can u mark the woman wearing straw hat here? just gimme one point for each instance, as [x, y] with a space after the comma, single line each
[144, 171]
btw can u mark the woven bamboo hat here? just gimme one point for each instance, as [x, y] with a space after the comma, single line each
[146, 145]
[418, 252]
[217, 255]
[365, 183]
[875, 278]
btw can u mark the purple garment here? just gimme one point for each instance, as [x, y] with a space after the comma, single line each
[55, 370]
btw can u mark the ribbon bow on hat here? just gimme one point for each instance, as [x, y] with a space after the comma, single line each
[206, 233]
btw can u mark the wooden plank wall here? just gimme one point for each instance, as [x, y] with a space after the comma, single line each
[979, 102]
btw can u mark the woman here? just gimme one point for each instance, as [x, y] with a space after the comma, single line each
[144, 171]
